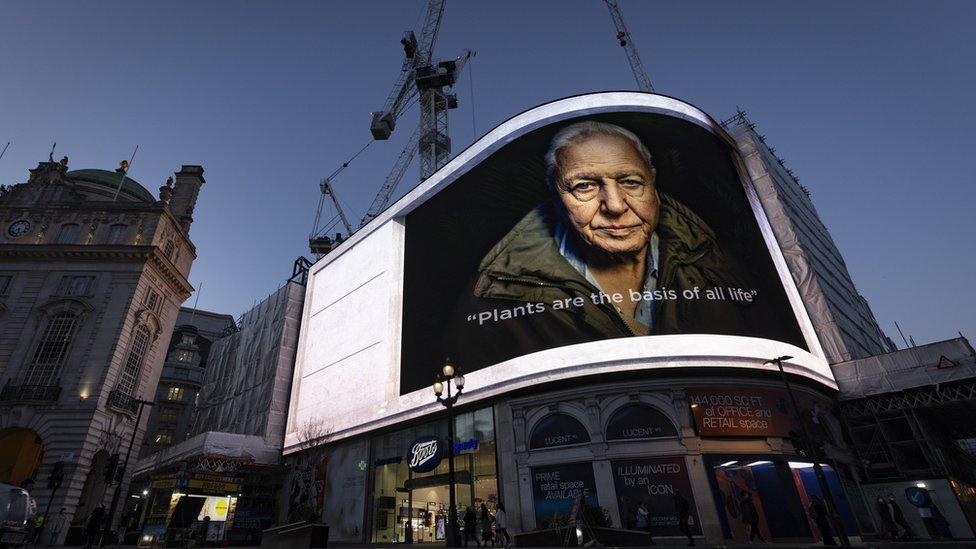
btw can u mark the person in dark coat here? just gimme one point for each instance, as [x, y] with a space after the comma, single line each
[750, 516]
[471, 527]
[682, 510]
[629, 513]
[487, 536]
[887, 527]
[899, 518]
[94, 526]
[821, 516]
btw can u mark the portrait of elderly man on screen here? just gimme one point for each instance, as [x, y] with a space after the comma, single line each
[606, 231]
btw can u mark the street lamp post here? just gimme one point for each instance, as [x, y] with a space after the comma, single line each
[448, 376]
[813, 453]
[106, 534]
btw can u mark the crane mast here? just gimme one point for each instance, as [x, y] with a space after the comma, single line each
[319, 242]
[627, 43]
[396, 174]
[423, 77]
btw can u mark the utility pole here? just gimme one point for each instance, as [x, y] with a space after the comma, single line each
[53, 483]
[812, 452]
[120, 475]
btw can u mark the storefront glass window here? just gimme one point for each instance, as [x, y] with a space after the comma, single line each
[769, 497]
[407, 506]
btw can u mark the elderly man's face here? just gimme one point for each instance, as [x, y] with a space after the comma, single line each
[608, 192]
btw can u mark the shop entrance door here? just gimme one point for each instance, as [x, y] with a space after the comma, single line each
[424, 513]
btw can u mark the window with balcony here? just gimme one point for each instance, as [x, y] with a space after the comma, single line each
[184, 355]
[76, 285]
[52, 350]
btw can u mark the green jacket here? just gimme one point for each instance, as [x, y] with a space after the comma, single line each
[525, 267]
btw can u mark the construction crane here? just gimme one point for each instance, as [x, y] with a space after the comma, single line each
[319, 242]
[423, 77]
[627, 43]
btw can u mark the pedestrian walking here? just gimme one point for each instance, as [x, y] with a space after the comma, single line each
[886, 524]
[644, 519]
[487, 536]
[94, 526]
[750, 516]
[682, 510]
[894, 510]
[470, 527]
[629, 513]
[821, 516]
[501, 525]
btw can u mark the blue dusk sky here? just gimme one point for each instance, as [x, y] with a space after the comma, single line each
[870, 103]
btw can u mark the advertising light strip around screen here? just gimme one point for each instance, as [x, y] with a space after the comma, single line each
[601, 233]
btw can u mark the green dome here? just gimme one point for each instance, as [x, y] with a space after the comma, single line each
[111, 180]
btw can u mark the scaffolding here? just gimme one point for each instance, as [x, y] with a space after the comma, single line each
[909, 413]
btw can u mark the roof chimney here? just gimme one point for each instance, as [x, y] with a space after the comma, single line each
[188, 182]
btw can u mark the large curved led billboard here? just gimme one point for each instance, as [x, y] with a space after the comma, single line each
[591, 236]
[602, 226]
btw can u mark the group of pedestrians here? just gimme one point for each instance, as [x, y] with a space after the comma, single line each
[493, 527]
[892, 517]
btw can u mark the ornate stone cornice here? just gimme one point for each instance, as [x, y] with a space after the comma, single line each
[171, 274]
[74, 252]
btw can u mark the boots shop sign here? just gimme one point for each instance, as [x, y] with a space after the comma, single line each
[425, 454]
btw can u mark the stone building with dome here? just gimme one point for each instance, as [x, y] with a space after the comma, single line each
[93, 269]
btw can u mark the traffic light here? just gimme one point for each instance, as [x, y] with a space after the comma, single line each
[110, 468]
[56, 477]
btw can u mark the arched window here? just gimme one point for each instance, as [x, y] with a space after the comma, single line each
[557, 430]
[635, 421]
[52, 350]
[133, 362]
[67, 234]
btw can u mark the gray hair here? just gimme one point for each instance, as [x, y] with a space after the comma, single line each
[574, 133]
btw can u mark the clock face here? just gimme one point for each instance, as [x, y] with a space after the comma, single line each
[18, 228]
